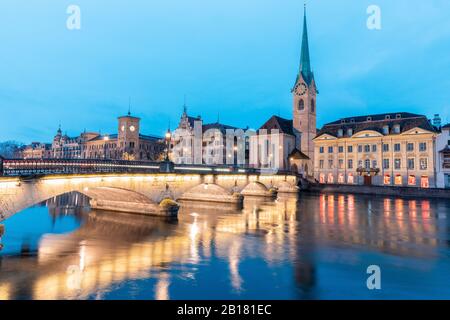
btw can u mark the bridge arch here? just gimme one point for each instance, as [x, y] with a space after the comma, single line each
[210, 192]
[256, 188]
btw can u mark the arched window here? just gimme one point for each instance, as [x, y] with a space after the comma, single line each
[301, 105]
[313, 106]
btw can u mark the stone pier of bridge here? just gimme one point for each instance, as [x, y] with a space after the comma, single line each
[153, 194]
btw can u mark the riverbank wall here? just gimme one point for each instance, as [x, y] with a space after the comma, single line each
[381, 190]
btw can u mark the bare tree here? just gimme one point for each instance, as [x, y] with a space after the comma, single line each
[8, 149]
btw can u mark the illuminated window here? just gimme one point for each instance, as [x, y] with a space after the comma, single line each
[350, 178]
[330, 178]
[424, 182]
[412, 180]
[341, 178]
[387, 179]
[322, 178]
[398, 180]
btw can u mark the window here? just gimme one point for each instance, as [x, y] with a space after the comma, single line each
[397, 147]
[350, 179]
[387, 179]
[341, 149]
[367, 148]
[340, 133]
[350, 149]
[386, 130]
[322, 178]
[360, 164]
[397, 164]
[386, 163]
[367, 164]
[350, 163]
[397, 128]
[321, 149]
[301, 104]
[385, 147]
[374, 148]
[410, 147]
[341, 178]
[330, 149]
[374, 164]
[423, 146]
[424, 182]
[330, 164]
[350, 132]
[313, 105]
[369, 118]
[398, 180]
[423, 163]
[341, 164]
[359, 148]
[412, 180]
[321, 164]
[330, 178]
[411, 163]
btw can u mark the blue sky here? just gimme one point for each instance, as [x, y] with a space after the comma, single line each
[234, 58]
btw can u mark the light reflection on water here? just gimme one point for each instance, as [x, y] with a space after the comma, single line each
[314, 246]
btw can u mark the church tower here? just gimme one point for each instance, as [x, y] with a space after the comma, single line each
[304, 95]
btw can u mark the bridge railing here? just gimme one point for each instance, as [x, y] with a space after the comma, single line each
[21, 167]
[32, 167]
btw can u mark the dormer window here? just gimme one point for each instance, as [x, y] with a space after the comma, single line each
[343, 121]
[388, 116]
[340, 133]
[386, 130]
[349, 132]
[397, 128]
[352, 120]
[369, 118]
[398, 116]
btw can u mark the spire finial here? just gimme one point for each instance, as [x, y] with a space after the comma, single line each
[184, 105]
[305, 62]
[129, 106]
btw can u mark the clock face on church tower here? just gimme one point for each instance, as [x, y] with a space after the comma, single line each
[300, 89]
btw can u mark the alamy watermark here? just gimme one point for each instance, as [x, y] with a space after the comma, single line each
[374, 19]
[73, 21]
[374, 280]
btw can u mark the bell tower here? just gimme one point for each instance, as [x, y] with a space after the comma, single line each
[128, 136]
[304, 95]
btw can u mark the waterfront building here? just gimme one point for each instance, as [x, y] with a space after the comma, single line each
[127, 144]
[391, 149]
[194, 142]
[292, 148]
[443, 157]
[35, 150]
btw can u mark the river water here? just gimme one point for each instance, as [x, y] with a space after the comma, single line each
[312, 246]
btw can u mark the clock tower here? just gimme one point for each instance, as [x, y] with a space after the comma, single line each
[304, 95]
[128, 136]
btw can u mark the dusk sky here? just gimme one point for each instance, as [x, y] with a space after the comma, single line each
[234, 58]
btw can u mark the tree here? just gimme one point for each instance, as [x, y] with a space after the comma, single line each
[8, 149]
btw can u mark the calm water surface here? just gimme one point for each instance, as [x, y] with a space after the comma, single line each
[314, 246]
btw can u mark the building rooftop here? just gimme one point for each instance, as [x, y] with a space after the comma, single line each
[377, 122]
[278, 123]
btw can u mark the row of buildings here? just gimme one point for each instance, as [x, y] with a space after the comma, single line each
[390, 149]
[128, 143]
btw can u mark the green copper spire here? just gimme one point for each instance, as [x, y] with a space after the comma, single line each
[305, 62]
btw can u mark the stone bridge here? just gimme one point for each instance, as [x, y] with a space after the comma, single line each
[149, 193]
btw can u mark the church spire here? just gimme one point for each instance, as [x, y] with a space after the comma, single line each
[305, 62]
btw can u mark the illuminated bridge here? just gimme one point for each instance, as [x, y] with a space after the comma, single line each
[134, 186]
